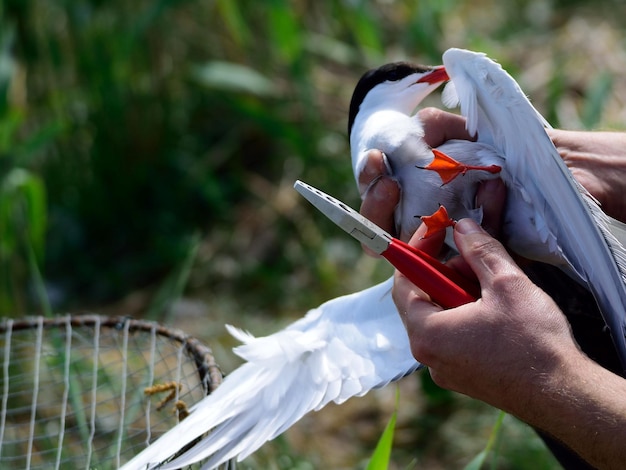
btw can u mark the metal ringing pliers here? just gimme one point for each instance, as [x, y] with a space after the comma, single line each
[444, 285]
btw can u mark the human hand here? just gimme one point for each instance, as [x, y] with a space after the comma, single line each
[502, 348]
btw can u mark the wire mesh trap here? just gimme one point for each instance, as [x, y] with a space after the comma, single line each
[91, 391]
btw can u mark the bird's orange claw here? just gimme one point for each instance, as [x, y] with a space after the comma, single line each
[436, 222]
[448, 168]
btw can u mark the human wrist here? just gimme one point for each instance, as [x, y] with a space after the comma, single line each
[582, 405]
[542, 382]
[598, 161]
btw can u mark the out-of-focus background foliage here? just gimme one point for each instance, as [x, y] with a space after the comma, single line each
[148, 150]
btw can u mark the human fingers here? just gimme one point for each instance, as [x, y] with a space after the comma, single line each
[410, 300]
[380, 193]
[441, 126]
[432, 244]
[379, 204]
[485, 256]
[491, 197]
[413, 304]
[375, 167]
[435, 336]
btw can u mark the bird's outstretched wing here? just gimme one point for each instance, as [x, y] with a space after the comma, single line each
[567, 217]
[341, 349]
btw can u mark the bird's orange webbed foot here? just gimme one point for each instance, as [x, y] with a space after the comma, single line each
[436, 222]
[448, 168]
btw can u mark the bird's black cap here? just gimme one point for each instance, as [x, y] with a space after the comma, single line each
[386, 73]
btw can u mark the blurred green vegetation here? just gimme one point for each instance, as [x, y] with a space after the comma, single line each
[148, 148]
[130, 129]
[152, 120]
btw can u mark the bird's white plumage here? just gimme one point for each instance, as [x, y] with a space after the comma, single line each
[352, 344]
[343, 348]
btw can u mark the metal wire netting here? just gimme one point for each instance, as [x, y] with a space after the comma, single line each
[74, 388]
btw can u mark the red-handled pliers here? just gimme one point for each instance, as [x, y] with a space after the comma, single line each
[444, 285]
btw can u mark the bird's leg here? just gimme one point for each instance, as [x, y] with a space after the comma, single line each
[448, 168]
[172, 387]
[436, 222]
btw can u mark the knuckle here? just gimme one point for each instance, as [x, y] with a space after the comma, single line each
[508, 281]
[424, 351]
[429, 113]
[427, 342]
[441, 380]
[486, 248]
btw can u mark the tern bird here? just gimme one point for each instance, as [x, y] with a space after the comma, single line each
[549, 216]
[355, 343]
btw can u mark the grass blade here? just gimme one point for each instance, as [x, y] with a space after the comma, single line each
[382, 453]
[477, 462]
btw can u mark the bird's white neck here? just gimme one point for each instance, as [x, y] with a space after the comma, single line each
[386, 130]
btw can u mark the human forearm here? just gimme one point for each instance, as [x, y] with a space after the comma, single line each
[583, 405]
[598, 161]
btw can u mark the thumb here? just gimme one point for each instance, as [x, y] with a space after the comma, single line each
[484, 254]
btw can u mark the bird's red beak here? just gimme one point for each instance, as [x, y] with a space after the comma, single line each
[437, 75]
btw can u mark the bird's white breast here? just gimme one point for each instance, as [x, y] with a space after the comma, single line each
[397, 135]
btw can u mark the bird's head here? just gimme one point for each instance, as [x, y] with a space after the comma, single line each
[400, 86]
